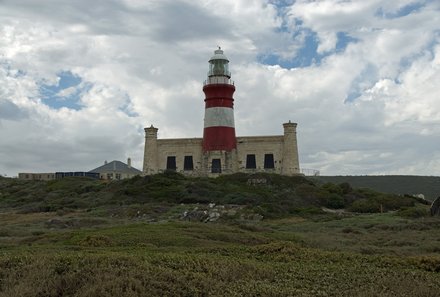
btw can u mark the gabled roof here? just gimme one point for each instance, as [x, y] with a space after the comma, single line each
[116, 166]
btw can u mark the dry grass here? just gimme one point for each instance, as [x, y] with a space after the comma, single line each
[132, 247]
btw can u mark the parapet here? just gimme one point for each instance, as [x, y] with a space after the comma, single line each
[151, 131]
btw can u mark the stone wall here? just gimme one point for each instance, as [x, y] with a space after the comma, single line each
[259, 146]
[280, 150]
[37, 176]
[180, 148]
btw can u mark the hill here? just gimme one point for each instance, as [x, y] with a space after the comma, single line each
[238, 235]
[268, 195]
[429, 186]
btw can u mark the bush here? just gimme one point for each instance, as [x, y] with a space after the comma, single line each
[335, 201]
[365, 206]
[413, 212]
[307, 211]
[346, 188]
[332, 188]
[96, 241]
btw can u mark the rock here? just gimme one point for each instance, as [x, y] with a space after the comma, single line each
[231, 212]
[213, 216]
[56, 223]
[196, 215]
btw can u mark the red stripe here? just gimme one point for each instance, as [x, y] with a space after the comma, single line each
[219, 102]
[219, 91]
[219, 95]
[219, 139]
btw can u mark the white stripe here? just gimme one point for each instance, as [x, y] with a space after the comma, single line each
[219, 116]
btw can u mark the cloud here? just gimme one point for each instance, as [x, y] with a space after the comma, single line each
[78, 86]
[10, 111]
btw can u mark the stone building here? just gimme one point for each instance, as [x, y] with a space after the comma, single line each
[116, 170]
[219, 151]
[37, 176]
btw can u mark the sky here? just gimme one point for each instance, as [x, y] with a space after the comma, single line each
[79, 80]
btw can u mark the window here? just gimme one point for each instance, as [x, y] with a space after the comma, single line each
[109, 175]
[118, 176]
[188, 163]
[250, 162]
[171, 163]
[216, 166]
[268, 161]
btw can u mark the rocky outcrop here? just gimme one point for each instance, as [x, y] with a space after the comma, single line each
[213, 213]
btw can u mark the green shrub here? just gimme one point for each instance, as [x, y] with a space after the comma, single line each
[332, 188]
[306, 211]
[413, 212]
[365, 206]
[334, 201]
[346, 188]
[96, 241]
[307, 191]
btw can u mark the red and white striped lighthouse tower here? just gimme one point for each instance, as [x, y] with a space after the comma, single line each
[219, 128]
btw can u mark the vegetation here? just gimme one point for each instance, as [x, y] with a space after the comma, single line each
[273, 196]
[429, 186]
[276, 236]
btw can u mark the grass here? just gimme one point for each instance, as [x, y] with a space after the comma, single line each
[386, 234]
[128, 239]
[194, 259]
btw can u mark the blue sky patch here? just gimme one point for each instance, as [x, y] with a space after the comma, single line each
[59, 95]
[343, 40]
[307, 55]
[126, 108]
[365, 80]
[281, 4]
[403, 11]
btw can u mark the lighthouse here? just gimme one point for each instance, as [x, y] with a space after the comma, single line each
[220, 151]
[219, 128]
[219, 141]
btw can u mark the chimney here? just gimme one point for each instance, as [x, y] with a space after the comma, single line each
[129, 162]
[105, 162]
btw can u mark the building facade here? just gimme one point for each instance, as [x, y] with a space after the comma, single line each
[37, 176]
[116, 170]
[220, 151]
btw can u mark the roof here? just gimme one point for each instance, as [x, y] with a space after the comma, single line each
[116, 166]
[218, 55]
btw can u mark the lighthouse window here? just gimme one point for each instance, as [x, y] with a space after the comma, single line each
[216, 166]
[250, 162]
[188, 163]
[171, 163]
[219, 67]
[268, 161]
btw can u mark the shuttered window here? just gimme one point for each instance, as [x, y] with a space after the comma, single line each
[251, 162]
[188, 163]
[268, 161]
[171, 163]
[216, 166]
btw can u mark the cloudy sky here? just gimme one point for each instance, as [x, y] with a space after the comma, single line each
[79, 80]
